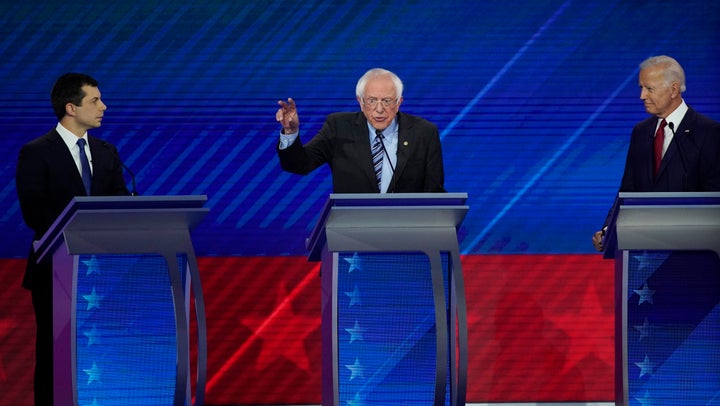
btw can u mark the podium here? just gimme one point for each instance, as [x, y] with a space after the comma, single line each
[124, 274]
[394, 322]
[667, 295]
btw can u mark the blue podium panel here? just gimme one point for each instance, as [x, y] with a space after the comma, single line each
[673, 327]
[126, 335]
[394, 326]
[386, 329]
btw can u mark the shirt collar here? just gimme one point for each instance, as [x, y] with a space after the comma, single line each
[69, 138]
[390, 133]
[677, 115]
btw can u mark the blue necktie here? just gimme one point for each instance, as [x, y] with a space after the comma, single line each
[377, 156]
[85, 165]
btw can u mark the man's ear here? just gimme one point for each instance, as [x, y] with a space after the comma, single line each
[675, 89]
[70, 109]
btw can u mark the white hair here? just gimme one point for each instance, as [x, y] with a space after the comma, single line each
[672, 71]
[376, 72]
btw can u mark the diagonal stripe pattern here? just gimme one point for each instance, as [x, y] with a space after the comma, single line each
[377, 156]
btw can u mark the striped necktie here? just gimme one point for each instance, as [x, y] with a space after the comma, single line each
[377, 156]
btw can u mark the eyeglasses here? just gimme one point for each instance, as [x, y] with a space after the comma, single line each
[373, 102]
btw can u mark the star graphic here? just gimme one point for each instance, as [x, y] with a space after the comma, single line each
[354, 262]
[645, 294]
[93, 336]
[94, 403]
[644, 260]
[93, 374]
[354, 296]
[356, 401]
[646, 400]
[283, 332]
[356, 333]
[646, 367]
[356, 370]
[644, 329]
[93, 300]
[590, 328]
[92, 265]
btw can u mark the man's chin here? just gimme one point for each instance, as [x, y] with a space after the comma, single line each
[379, 125]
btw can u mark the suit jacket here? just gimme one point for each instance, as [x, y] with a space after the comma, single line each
[691, 162]
[47, 178]
[343, 142]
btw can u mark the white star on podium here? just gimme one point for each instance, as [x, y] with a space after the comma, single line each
[357, 401]
[644, 261]
[644, 329]
[356, 370]
[646, 294]
[94, 403]
[93, 300]
[354, 262]
[92, 335]
[354, 296]
[356, 333]
[646, 400]
[646, 367]
[93, 265]
[93, 373]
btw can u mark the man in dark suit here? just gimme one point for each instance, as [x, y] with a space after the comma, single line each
[675, 150]
[49, 174]
[376, 150]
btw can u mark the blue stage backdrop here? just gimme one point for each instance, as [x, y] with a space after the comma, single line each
[534, 101]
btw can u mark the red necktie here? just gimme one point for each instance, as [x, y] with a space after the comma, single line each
[658, 147]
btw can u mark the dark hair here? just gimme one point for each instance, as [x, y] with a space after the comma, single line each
[68, 89]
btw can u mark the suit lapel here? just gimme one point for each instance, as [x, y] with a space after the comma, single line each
[363, 156]
[65, 160]
[682, 130]
[404, 147]
[686, 124]
[95, 160]
[647, 132]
